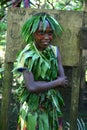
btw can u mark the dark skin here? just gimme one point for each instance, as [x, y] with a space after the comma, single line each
[42, 40]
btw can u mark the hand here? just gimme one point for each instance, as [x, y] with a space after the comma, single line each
[62, 81]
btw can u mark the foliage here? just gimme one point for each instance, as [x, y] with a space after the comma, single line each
[46, 4]
[80, 125]
[3, 28]
[50, 101]
[49, 4]
[32, 23]
[1, 70]
[68, 5]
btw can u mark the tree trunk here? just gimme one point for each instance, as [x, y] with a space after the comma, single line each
[7, 85]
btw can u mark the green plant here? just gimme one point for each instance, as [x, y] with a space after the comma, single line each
[80, 125]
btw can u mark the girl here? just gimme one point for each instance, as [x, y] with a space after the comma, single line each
[41, 66]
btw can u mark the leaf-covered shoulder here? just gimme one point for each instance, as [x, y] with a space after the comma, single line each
[23, 52]
[55, 50]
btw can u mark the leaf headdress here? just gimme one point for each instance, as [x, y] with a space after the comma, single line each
[31, 25]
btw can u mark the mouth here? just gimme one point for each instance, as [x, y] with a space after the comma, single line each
[45, 45]
[46, 42]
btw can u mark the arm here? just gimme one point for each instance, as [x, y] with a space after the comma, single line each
[61, 70]
[40, 86]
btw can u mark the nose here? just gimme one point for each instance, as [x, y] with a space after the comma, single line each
[46, 36]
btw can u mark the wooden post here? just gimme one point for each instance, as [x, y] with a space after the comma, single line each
[74, 98]
[7, 84]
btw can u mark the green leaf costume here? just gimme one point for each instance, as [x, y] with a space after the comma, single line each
[39, 111]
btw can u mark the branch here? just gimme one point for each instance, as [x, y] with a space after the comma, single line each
[51, 4]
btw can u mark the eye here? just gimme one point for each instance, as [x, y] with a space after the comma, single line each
[50, 33]
[41, 32]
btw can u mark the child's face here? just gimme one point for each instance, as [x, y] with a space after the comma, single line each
[43, 38]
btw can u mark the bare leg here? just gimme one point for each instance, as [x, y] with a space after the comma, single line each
[60, 123]
[60, 128]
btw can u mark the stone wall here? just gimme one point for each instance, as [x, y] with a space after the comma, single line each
[68, 44]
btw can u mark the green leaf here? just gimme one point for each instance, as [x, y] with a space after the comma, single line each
[33, 102]
[60, 99]
[32, 60]
[23, 111]
[37, 65]
[41, 125]
[55, 102]
[26, 29]
[44, 22]
[32, 121]
[43, 121]
[30, 64]
[23, 114]
[35, 24]
[22, 52]
[55, 25]
[29, 54]
[24, 96]
[27, 26]
[44, 68]
[1, 70]
[35, 56]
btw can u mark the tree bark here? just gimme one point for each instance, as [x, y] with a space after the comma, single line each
[7, 85]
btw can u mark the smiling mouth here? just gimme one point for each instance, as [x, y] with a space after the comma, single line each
[46, 42]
